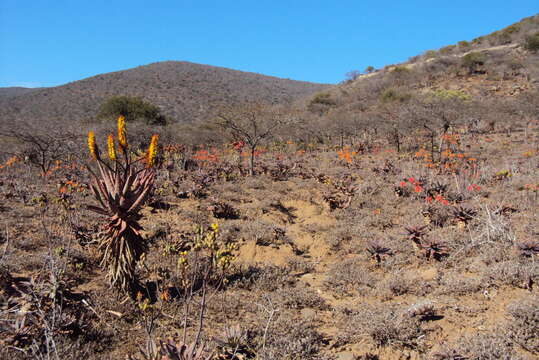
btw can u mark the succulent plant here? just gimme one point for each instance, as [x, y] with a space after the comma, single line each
[120, 188]
[232, 344]
[434, 249]
[463, 214]
[528, 248]
[378, 251]
[416, 233]
[180, 351]
[437, 188]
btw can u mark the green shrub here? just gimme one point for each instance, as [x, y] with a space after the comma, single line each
[430, 54]
[473, 60]
[504, 38]
[447, 49]
[464, 44]
[531, 42]
[452, 94]
[133, 108]
[512, 29]
[393, 94]
[323, 99]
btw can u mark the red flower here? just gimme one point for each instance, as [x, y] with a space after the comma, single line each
[418, 189]
[402, 184]
[411, 180]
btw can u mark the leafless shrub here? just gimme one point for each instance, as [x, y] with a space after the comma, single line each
[523, 323]
[494, 228]
[454, 283]
[265, 233]
[387, 326]
[511, 272]
[298, 297]
[350, 276]
[268, 278]
[485, 346]
[289, 338]
[396, 285]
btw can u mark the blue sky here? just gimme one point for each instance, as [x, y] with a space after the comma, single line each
[52, 42]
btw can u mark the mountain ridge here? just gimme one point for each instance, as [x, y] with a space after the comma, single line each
[185, 92]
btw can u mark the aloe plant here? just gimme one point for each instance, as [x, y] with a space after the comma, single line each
[120, 187]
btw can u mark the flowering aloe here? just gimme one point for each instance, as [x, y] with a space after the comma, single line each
[120, 187]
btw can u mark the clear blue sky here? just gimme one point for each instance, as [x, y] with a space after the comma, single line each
[52, 42]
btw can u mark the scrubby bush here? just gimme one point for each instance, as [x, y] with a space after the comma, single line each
[133, 108]
[531, 42]
[447, 49]
[523, 326]
[473, 61]
[392, 94]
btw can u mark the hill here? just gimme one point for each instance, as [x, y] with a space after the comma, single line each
[185, 92]
[490, 82]
[8, 92]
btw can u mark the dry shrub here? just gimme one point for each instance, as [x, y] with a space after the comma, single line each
[523, 323]
[350, 276]
[453, 283]
[268, 278]
[298, 297]
[485, 346]
[512, 272]
[386, 325]
[289, 338]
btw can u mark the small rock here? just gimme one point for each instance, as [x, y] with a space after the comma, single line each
[346, 356]
[308, 314]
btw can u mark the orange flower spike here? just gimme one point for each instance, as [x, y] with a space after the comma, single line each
[112, 149]
[152, 150]
[92, 145]
[122, 137]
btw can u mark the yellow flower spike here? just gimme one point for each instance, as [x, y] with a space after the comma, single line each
[122, 138]
[92, 145]
[215, 227]
[152, 150]
[112, 149]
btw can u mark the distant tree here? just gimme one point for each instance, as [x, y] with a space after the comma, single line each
[133, 108]
[531, 42]
[352, 75]
[472, 61]
[369, 69]
[321, 103]
[251, 124]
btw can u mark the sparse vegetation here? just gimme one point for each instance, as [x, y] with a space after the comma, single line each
[389, 217]
[532, 42]
[133, 109]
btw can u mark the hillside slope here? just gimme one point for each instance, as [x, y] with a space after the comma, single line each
[491, 81]
[185, 92]
[8, 92]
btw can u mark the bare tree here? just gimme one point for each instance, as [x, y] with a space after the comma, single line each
[251, 123]
[352, 75]
[41, 148]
